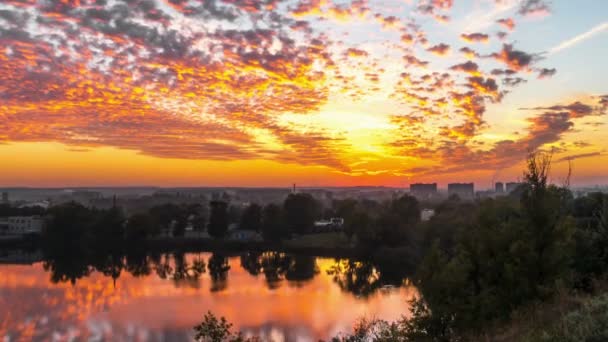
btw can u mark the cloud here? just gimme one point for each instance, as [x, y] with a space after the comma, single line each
[507, 23]
[469, 53]
[475, 37]
[469, 67]
[534, 8]
[579, 156]
[579, 39]
[546, 73]
[440, 49]
[515, 59]
[547, 126]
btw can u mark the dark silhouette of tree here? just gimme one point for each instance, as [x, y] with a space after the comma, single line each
[212, 329]
[251, 218]
[68, 224]
[198, 223]
[301, 211]
[273, 228]
[140, 227]
[349, 210]
[218, 221]
[108, 226]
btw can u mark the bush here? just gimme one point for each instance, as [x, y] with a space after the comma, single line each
[589, 323]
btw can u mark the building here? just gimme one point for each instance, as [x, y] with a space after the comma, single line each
[5, 197]
[462, 190]
[426, 214]
[333, 224]
[512, 186]
[499, 188]
[423, 191]
[22, 225]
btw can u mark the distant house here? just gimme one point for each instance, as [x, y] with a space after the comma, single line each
[333, 224]
[245, 235]
[21, 225]
[426, 214]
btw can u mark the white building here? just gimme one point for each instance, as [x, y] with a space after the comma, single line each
[426, 214]
[21, 225]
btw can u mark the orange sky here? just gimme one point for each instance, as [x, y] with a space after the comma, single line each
[268, 93]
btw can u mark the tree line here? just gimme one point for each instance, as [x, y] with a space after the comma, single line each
[478, 262]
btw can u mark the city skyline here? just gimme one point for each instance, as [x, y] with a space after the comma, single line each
[233, 93]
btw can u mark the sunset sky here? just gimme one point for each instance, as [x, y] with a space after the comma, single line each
[316, 92]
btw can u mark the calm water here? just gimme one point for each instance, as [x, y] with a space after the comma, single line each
[160, 298]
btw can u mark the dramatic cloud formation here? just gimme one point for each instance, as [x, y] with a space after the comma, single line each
[315, 83]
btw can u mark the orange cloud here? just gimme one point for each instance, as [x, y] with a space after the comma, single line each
[475, 37]
[440, 49]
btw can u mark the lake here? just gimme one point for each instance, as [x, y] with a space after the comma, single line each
[160, 297]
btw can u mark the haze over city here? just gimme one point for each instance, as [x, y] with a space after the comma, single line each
[322, 93]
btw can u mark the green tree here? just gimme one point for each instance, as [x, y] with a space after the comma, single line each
[218, 221]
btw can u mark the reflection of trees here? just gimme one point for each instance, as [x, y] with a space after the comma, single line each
[218, 270]
[302, 268]
[66, 264]
[277, 267]
[251, 263]
[185, 274]
[138, 264]
[111, 265]
[274, 266]
[162, 266]
[357, 277]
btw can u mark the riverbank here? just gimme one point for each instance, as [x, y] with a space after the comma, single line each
[331, 245]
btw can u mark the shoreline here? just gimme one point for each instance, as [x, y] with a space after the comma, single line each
[382, 254]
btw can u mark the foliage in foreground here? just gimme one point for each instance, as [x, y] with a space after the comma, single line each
[589, 323]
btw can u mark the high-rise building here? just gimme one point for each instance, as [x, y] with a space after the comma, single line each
[499, 188]
[5, 197]
[423, 191]
[463, 190]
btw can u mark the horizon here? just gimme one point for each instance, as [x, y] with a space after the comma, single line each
[329, 93]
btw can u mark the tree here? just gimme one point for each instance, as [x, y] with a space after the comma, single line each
[252, 218]
[218, 221]
[548, 231]
[273, 228]
[141, 226]
[198, 223]
[212, 329]
[166, 214]
[68, 223]
[108, 226]
[301, 211]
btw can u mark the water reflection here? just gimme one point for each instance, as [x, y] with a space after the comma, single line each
[145, 296]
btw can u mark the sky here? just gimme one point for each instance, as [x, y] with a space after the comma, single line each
[313, 92]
